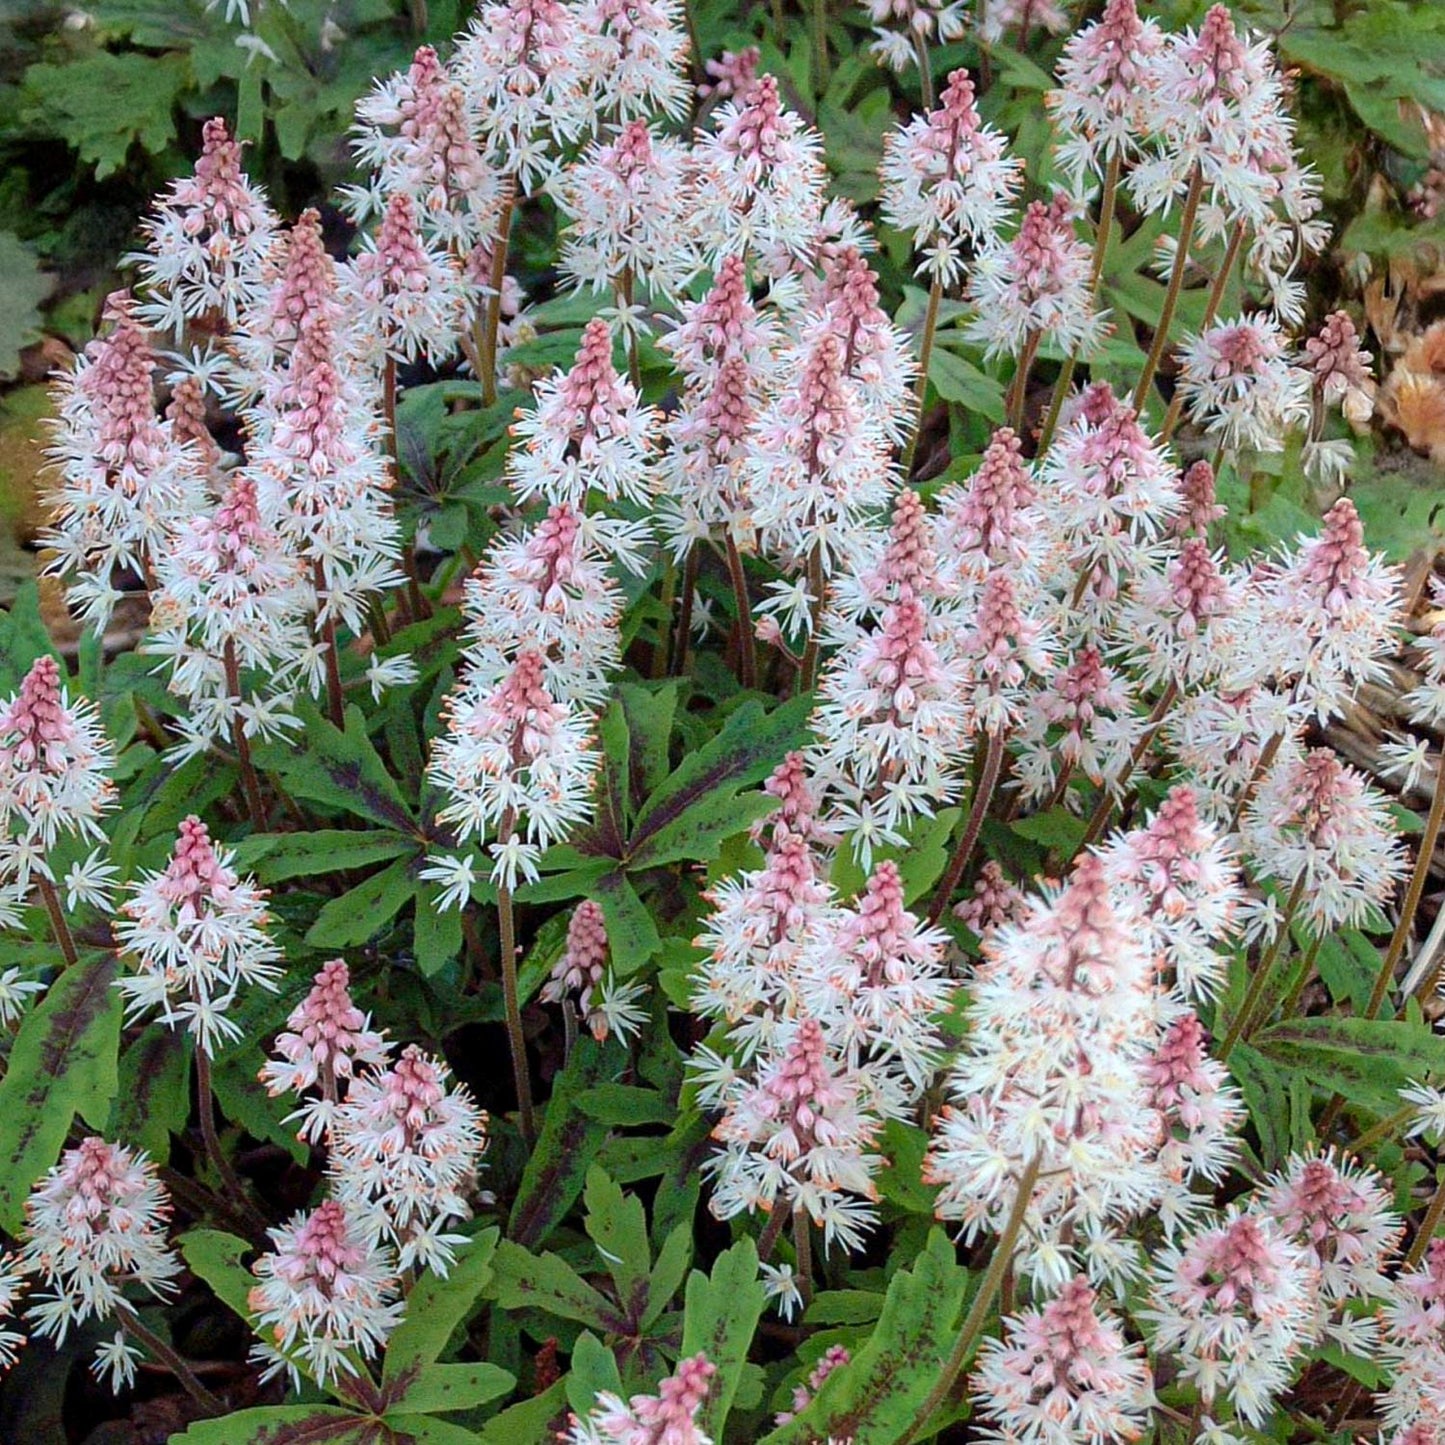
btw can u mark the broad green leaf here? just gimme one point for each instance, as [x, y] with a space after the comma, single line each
[428, 1430]
[557, 1165]
[1368, 1061]
[527, 1423]
[274, 857]
[621, 1105]
[900, 1181]
[921, 858]
[617, 1224]
[594, 1369]
[436, 1307]
[62, 1063]
[436, 933]
[1265, 1087]
[215, 1257]
[631, 932]
[1058, 829]
[278, 1425]
[547, 1282]
[340, 770]
[362, 912]
[845, 1307]
[720, 1316]
[874, 1398]
[441, 1389]
[649, 712]
[23, 637]
[23, 286]
[669, 1272]
[959, 381]
[153, 1097]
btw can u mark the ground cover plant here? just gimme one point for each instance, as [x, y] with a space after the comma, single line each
[696, 799]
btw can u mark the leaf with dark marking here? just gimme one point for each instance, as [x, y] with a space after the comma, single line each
[63, 1063]
[720, 1317]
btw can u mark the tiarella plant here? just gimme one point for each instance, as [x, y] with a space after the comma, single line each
[700, 844]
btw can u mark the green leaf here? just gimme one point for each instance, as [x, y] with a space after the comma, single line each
[439, 1389]
[23, 637]
[594, 1369]
[274, 857]
[215, 1257]
[921, 857]
[547, 1282]
[620, 1105]
[1368, 1061]
[153, 1096]
[720, 1316]
[527, 1423]
[957, 380]
[436, 1307]
[104, 103]
[62, 1063]
[437, 932]
[874, 1398]
[340, 770]
[617, 1224]
[278, 1425]
[1057, 829]
[362, 912]
[631, 933]
[1265, 1087]
[428, 1430]
[568, 1143]
[649, 712]
[669, 1272]
[23, 286]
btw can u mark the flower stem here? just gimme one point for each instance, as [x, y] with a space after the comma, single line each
[58, 925]
[250, 785]
[487, 346]
[820, 46]
[747, 650]
[683, 641]
[206, 1109]
[925, 355]
[1302, 978]
[818, 586]
[1266, 760]
[153, 1345]
[507, 928]
[768, 1239]
[1211, 310]
[1240, 1026]
[972, 1328]
[1413, 894]
[977, 811]
[1171, 296]
[1019, 387]
[335, 699]
[803, 1253]
[1429, 1227]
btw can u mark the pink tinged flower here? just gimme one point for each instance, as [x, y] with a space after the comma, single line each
[1037, 285]
[732, 74]
[1001, 651]
[1235, 1303]
[833, 1358]
[667, 1418]
[588, 433]
[1101, 106]
[326, 1296]
[1239, 381]
[1064, 1372]
[791, 783]
[1185, 880]
[94, 1224]
[406, 297]
[947, 180]
[1024, 16]
[1341, 368]
[629, 205]
[639, 57]
[1343, 1215]
[207, 242]
[327, 1040]
[304, 293]
[990, 520]
[54, 766]
[126, 481]
[799, 1135]
[1412, 1329]
[884, 982]
[875, 354]
[1200, 510]
[186, 412]
[759, 180]
[528, 68]
[405, 1150]
[724, 324]
[902, 26]
[1315, 824]
[580, 978]
[195, 936]
[995, 900]
[516, 761]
